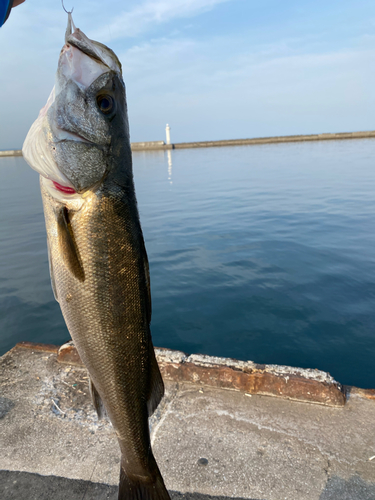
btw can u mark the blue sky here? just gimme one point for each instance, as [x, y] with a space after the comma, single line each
[212, 69]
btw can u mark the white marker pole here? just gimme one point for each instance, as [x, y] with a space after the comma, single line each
[168, 133]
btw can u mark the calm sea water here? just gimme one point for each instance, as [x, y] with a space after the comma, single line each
[256, 252]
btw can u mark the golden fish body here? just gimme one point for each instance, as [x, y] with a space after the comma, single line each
[99, 270]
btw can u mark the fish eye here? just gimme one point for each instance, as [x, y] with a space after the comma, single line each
[105, 103]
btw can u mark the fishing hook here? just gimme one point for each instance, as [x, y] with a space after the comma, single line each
[62, 3]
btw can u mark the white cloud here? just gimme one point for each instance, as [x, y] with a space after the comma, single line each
[143, 17]
[214, 90]
[207, 87]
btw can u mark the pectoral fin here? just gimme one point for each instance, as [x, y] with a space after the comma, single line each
[97, 401]
[53, 283]
[67, 245]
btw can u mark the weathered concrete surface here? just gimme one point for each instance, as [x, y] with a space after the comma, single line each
[299, 384]
[207, 441]
[288, 382]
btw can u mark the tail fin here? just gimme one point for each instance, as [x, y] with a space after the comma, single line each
[137, 489]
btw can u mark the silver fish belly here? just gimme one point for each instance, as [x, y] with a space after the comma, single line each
[98, 263]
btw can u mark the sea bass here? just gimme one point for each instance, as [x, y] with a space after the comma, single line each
[98, 263]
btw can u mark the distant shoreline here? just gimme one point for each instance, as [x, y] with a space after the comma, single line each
[160, 145]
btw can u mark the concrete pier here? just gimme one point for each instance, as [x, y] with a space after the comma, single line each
[160, 145]
[11, 152]
[277, 140]
[209, 441]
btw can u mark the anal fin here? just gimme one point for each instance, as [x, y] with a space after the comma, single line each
[156, 384]
[97, 401]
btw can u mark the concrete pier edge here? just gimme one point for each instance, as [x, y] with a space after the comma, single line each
[297, 384]
[210, 443]
[160, 145]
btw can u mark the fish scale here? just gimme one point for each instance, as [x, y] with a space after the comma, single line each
[98, 261]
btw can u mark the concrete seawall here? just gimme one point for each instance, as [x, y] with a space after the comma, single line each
[215, 434]
[11, 152]
[160, 145]
[272, 140]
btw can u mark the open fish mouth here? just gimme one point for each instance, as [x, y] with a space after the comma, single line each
[81, 43]
[95, 50]
[73, 128]
[79, 64]
[83, 60]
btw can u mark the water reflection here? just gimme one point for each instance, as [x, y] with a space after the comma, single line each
[252, 256]
[169, 156]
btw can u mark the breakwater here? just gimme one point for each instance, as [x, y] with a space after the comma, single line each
[160, 145]
[11, 152]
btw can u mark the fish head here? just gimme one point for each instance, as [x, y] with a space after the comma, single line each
[84, 124]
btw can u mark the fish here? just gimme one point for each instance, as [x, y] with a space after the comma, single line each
[80, 146]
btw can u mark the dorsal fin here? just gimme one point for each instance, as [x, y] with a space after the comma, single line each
[67, 245]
